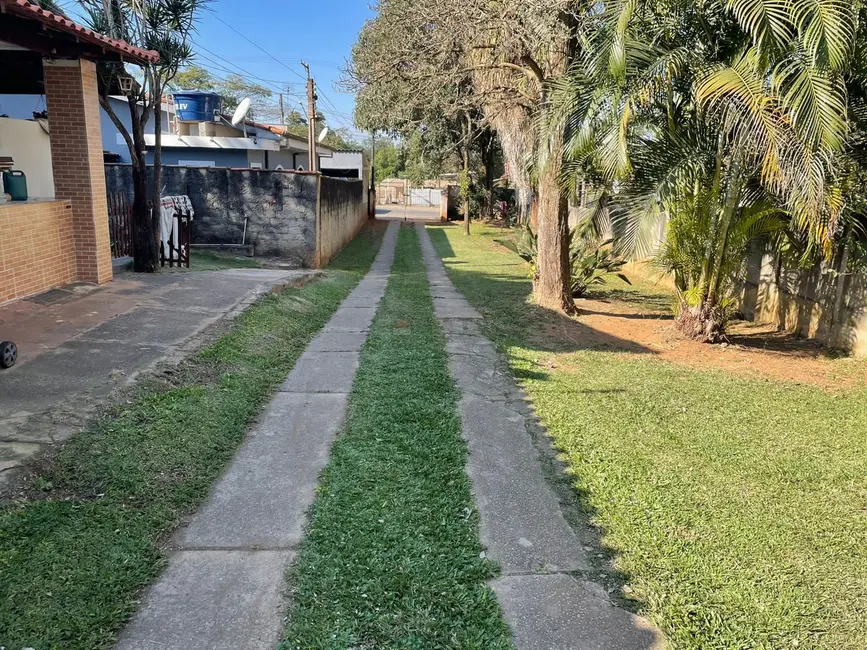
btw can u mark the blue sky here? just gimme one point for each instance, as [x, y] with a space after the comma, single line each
[321, 32]
[283, 32]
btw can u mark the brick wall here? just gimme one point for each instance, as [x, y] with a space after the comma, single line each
[37, 251]
[76, 153]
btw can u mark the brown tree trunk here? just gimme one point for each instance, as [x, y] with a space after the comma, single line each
[488, 149]
[551, 287]
[489, 179]
[144, 242]
[157, 174]
[468, 137]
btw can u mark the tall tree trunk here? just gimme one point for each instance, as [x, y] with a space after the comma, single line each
[144, 242]
[489, 150]
[157, 173]
[551, 286]
[468, 139]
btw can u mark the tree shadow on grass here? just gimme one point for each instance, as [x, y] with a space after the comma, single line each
[512, 318]
[761, 336]
[660, 303]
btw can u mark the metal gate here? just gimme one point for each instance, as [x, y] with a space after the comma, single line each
[425, 197]
[120, 226]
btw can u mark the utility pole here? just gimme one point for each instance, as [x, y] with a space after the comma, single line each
[282, 112]
[311, 121]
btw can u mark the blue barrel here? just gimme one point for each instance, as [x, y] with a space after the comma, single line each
[197, 105]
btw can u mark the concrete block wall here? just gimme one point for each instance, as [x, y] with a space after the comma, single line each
[342, 213]
[38, 249]
[301, 217]
[815, 303]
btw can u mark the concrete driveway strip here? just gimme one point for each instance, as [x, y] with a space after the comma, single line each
[224, 586]
[52, 395]
[521, 523]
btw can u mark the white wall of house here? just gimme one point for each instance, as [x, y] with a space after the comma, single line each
[30, 148]
[283, 159]
[344, 160]
[256, 159]
[23, 106]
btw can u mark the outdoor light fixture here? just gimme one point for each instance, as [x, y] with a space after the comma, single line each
[126, 82]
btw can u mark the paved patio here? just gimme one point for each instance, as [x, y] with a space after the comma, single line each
[79, 343]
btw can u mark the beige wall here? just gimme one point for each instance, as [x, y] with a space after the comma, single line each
[817, 303]
[30, 148]
[341, 212]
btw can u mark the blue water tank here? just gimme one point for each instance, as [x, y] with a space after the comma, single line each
[198, 105]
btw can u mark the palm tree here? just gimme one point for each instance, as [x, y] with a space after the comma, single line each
[165, 26]
[728, 119]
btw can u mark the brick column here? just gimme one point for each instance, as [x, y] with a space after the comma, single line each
[76, 155]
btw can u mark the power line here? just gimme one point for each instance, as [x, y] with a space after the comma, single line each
[347, 122]
[342, 119]
[259, 47]
[268, 82]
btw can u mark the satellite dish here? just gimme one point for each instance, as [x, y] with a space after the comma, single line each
[322, 135]
[241, 111]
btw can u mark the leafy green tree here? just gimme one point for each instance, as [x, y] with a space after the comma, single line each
[233, 88]
[728, 120]
[410, 81]
[194, 77]
[389, 163]
[478, 63]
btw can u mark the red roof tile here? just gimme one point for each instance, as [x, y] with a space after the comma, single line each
[27, 9]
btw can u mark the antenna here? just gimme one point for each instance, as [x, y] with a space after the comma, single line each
[241, 111]
[322, 135]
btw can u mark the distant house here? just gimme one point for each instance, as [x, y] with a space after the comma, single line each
[205, 144]
[345, 163]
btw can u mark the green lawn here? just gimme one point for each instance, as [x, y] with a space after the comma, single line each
[735, 509]
[75, 557]
[392, 558]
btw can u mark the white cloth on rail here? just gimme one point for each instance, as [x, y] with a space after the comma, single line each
[169, 207]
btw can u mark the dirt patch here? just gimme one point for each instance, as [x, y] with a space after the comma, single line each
[755, 349]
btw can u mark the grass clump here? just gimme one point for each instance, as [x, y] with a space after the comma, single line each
[392, 557]
[734, 507]
[75, 557]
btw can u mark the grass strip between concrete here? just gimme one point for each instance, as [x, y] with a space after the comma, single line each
[392, 558]
[77, 553]
[732, 509]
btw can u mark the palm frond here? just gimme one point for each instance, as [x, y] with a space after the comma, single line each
[826, 29]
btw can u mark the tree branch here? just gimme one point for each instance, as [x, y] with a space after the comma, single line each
[119, 125]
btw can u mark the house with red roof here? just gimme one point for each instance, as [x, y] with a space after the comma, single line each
[58, 234]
